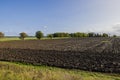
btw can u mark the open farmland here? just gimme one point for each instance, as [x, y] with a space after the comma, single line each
[92, 54]
[69, 44]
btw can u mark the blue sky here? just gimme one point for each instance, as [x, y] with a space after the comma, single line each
[59, 16]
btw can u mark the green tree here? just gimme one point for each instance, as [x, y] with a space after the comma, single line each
[50, 36]
[85, 35]
[98, 35]
[91, 34]
[23, 35]
[61, 34]
[105, 35]
[71, 35]
[78, 34]
[39, 35]
[114, 35]
[1, 35]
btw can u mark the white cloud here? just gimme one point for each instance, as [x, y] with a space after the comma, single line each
[110, 29]
[116, 29]
[100, 28]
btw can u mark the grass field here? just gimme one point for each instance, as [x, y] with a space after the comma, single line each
[17, 71]
[15, 38]
[28, 38]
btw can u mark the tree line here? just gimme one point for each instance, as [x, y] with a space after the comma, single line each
[40, 34]
[79, 34]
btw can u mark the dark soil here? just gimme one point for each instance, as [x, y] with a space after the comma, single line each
[92, 54]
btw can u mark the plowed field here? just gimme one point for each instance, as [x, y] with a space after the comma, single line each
[92, 54]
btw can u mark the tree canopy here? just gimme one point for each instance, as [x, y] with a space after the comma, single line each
[23, 35]
[1, 35]
[39, 35]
